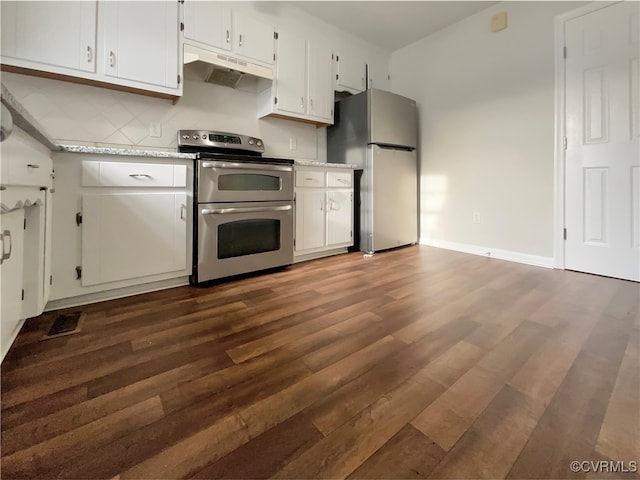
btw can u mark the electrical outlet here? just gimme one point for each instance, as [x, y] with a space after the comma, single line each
[476, 217]
[293, 143]
[155, 129]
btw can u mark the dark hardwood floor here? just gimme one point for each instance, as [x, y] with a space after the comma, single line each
[415, 363]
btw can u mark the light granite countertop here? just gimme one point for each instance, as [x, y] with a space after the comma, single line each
[313, 163]
[126, 152]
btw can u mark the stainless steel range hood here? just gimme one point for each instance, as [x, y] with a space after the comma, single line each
[227, 70]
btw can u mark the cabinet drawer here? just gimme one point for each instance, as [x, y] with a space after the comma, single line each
[340, 179]
[133, 174]
[312, 178]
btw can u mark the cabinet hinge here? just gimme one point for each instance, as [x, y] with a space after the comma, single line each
[294, 243]
[275, 35]
[25, 224]
[564, 143]
[23, 294]
[182, 26]
[337, 76]
[179, 79]
[565, 233]
[50, 279]
[350, 233]
[332, 56]
[78, 272]
[79, 218]
[274, 57]
[337, 58]
[564, 52]
[275, 100]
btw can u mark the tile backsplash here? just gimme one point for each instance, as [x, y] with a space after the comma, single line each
[87, 115]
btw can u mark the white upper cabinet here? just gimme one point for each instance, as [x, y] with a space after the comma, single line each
[208, 23]
[302, 89]
[291, 72]
[350, 71]
[219, 25]
[140, 41]
[252, 38]
[320, 84]
[61, 34]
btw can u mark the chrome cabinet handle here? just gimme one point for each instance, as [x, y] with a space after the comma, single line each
[140, 175]
[183, 212]
[89, 54]
[240, 43]
[228, 36]
[112, 59]
[225, 211]
[247, 166]
[32, 165]
[302, 101]
[6, 235]
[311, 103]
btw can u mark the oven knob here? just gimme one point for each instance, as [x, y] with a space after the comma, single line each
[195, 137]
[186, 137]
[259, 143]
[251, 141]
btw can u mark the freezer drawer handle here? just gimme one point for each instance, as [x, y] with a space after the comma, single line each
[247, 166]
[224, 211]
[139, 175]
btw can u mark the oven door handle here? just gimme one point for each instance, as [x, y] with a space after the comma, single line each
[224, 211]
[247, 166]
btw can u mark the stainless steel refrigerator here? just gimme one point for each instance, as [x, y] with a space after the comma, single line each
[378, 131]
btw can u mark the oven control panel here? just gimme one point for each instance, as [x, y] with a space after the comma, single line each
[211, 140]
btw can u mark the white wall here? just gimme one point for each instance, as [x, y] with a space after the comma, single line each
[486, 103]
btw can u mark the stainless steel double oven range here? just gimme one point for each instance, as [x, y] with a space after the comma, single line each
[243, 205]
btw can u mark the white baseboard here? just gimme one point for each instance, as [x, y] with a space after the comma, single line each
[536, 260]
[116, 293]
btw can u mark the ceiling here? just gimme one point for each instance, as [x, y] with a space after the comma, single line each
[392, 25]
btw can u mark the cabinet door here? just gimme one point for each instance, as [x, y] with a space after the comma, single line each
[141, 41]
[320, 83]
[351, 71]
[252, 38]
[310, 219]
[61, 34]
[208, 23]
[291, 73]
[11, 270]
[131, 235]
[339, 217]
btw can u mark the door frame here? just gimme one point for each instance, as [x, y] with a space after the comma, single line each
[560, 131]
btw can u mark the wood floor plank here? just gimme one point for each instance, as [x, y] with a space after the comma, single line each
[409, 454]
[231, 431]
[47, 458]
[348, 447]
[619, 436]
[491, 445]
[446, 420]
[570, 425]
[263, 456]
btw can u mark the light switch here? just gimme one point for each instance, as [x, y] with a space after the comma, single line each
[499, 22]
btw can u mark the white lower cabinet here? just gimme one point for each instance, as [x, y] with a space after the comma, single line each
[324, 211]
[110, 236]
[11, 275]
[131, 235]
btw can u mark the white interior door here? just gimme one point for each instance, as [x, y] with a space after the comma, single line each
[602, 204]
